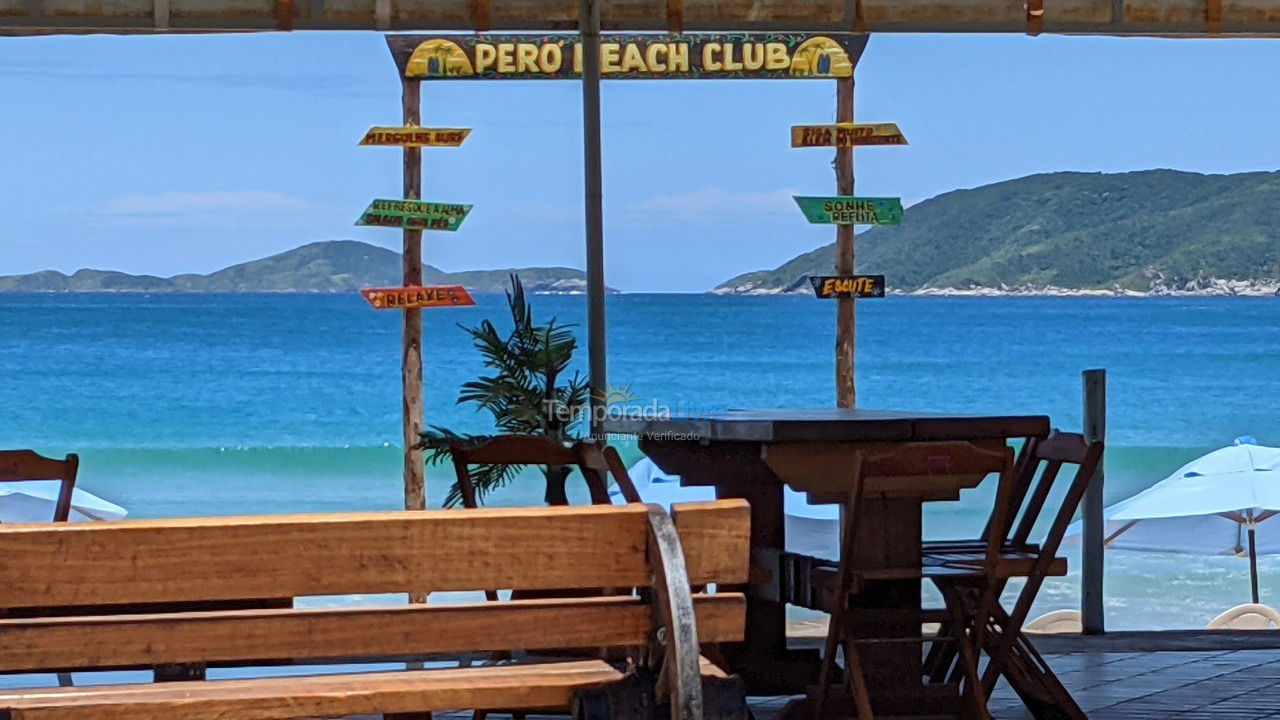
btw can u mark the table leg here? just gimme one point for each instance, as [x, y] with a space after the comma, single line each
[738, 471]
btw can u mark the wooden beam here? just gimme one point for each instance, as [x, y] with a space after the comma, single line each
[160, 12]
[1183, 18]
[126, 641]
[593, 185]
[485, 688]
[415, 483]
[846, 310]
[205, 559]
[1092, 560]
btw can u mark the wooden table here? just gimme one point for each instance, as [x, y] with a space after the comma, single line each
[751, 454]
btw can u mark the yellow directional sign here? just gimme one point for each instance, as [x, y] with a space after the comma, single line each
[412, 136]
[846, 135]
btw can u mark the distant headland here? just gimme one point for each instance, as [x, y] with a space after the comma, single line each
[322, 267]
[1154, 232]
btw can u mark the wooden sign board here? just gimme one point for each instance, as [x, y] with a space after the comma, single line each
[414, 215]
[411, 136]
[849, 210]
[404, 298]
[844, 135]
[720, 56]
[848, 286]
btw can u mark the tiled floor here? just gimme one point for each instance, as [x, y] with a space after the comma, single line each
[1216, 685]
[1236, 685]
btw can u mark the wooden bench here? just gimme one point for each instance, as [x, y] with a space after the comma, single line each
[653, 632]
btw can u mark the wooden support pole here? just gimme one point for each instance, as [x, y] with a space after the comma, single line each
[415, 490]
[589, 27]
[1095, 428]
[846, 312]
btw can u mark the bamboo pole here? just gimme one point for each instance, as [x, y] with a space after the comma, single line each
[415, 490]
[846, 312]
[589, 27]
[1095, 429]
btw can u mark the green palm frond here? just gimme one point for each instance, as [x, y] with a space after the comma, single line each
[522, 389]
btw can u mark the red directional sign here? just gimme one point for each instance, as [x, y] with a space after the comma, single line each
[405, 298]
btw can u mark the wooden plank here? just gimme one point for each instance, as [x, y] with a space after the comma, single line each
[45, 644]
[716, 538]
[1100, 17]
[846, 134]
[821, 469]
[484, 688]
[405, 298]
[229, 558]
[836, 425]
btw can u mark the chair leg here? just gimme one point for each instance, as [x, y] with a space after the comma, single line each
[974, 689]
[853, 666]
[942, 654]
[828, 661]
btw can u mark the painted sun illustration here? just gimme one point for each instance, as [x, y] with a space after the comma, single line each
[617, 394]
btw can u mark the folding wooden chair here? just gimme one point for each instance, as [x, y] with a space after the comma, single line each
[919, 460]
[25, 465]
[964, 575]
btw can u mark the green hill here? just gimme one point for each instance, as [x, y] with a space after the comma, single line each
[1137, 231]
[322, 267]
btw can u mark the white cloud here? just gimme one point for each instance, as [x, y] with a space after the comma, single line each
[222, 208]
[712, 206]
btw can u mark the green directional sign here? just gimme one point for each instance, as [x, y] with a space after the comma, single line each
[848, 210]
[414, 215]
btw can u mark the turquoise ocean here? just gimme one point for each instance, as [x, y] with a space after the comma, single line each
[236, 404]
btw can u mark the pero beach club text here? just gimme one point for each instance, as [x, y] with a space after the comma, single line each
[719, 56]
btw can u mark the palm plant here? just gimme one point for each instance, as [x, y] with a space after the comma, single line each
[526, 393]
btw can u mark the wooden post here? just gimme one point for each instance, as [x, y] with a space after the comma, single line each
[415, 490]
[589, 29]
[1095, 428]
[846, 312]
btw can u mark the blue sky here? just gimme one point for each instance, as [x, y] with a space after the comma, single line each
[188, 153]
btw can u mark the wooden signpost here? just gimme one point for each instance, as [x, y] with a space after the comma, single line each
[404, 298]
[846, 135]
[411, 215]
[848, 210]
[414, 215]
[848, 286]
[845, 212]
[412, 136]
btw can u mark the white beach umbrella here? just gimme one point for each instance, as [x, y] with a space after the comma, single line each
[33, 501]
[1215, 505]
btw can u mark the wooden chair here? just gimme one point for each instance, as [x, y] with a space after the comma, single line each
[162, 562]
[917, 460]
[595, 461]
[25, 465]
[966, 577]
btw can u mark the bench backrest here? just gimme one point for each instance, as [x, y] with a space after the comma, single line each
[224, 559]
